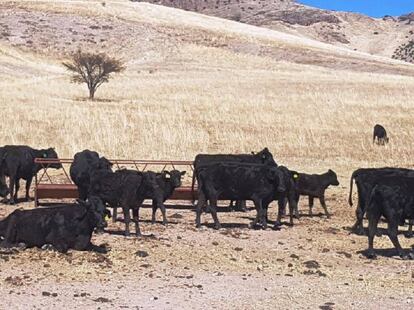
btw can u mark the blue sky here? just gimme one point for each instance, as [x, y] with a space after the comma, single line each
[374, 8]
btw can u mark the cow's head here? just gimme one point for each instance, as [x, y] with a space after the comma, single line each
[333, 179]
[175, 177]
[104, 164]
[277, 177]
[51, 153]
[97, 209]
[266, 157]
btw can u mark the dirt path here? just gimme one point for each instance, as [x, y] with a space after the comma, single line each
[315, 264]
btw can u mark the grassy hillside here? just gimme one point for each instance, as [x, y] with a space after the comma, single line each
[197, 84]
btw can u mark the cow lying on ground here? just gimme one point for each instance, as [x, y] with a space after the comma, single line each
[365, 179]
[125, 189]
[82, 166]
[380, 134]
[18, 163]
[393, 198]
[314, 186]
[167, 182]
[262, 157]
[64, 227]
[238, 181]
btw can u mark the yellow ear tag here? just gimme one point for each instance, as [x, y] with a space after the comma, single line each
[106, 218]
[295, 176]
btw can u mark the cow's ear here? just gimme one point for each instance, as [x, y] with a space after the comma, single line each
[165, 172]
[182, 172]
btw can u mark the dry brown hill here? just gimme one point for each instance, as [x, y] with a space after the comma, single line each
[354, 31]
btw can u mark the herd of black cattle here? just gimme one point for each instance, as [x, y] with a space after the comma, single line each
[382, 192]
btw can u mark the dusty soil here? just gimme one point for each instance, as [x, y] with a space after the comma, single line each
[316, 263]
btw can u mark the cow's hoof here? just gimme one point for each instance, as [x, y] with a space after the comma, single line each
[359, 231]
[276, 227]
[371, 255]
[409, 256]
[328, 216]
[165, 223]
[217, 226]
[127, 234]
[48, 247]
[21, 246]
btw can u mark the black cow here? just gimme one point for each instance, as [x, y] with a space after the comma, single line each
[126, 189]
[290, 195]
[167, 182]
[82, 166]
[238, 181]
[393, 198]
[365, 179]
[314, 186]
[18, 163]
[380, 134]
[262, 157]
[64, 227]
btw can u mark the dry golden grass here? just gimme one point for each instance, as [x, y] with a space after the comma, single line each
[206, 99]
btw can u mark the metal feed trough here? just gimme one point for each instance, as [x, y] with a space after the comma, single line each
[57, 184]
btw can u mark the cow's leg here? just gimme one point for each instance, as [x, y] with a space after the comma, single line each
[135, 215]
[199, 209]
[213, 208]
[28, 184]
[154, 211]
[127, 220]
[409, 233]
[358, 227]
[160, 204]
[12, 181]
[392, 234]
[114, 213]
[372, 230]
[323, 204]
[241, 206]
[281, 202]
[310, 205]
[293, 205]
[16, 189]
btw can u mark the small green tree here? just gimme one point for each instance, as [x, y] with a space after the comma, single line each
[93, 69]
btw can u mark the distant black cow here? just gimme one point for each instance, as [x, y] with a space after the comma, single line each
[18, 163]
[126, 189]
[314, 186]
[238, 181]
[82, 166]
[393, 198]
[167, 182]
[365, 179]
[380, 134]
[64, 227]
[262, 157]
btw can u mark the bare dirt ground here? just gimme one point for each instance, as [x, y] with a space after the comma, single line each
[315, 264]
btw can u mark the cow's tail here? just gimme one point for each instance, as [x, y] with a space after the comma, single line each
[350, 189]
